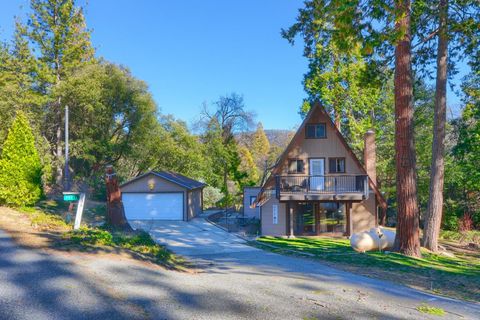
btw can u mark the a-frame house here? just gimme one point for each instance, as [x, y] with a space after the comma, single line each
[319, 186]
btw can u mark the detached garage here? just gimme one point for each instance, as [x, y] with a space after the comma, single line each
[162, 196]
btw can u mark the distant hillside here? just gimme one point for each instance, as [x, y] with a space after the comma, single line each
[277, 137]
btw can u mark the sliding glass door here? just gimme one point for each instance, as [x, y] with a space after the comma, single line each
[305, 220]
[332, 217]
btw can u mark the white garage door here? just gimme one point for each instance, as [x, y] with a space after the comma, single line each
[147, 206]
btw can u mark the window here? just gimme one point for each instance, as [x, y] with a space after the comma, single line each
[296, 166]
[337, 165]
[316, 131]
[252, 201]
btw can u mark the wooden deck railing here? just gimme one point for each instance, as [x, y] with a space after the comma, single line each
[326, 184]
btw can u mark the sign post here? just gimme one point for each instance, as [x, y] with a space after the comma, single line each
[78, 216]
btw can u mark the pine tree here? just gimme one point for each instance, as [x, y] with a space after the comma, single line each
[20, 166]
[450, 25]
[58, 29]
[407, 237]
[18, 81]
[259, 148]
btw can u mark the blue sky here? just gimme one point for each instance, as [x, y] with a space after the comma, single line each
[194, 51]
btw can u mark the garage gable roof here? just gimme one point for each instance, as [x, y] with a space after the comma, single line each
[173, 177]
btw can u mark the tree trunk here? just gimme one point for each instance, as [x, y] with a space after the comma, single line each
[407, 237]
[338, 120]
[433, 217]
[115, 210]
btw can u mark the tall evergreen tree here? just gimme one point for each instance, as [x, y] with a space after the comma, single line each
[57, 28]
[20, 166]
[408, 236]
[433, 217]
[451, 25]
[18, 82]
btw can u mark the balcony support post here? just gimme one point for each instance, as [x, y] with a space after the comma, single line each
[290, 213]
[348, 209]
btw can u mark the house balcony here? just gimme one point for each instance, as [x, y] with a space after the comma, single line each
[321, 188]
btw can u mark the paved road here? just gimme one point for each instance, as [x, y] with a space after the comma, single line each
[37, 285]
[244, 283]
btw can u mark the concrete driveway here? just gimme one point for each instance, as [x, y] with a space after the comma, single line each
[277, 281]
[194, 238]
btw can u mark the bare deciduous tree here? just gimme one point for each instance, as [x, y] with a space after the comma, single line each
[230, 114]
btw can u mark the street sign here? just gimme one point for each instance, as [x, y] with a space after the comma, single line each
[71, 196]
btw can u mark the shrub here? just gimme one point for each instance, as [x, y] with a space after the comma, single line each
[211, 196]
[20, 166]
[90, 236]
[465, 223]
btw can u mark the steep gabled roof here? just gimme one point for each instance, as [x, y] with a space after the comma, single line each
[318, 107]
[173, 177]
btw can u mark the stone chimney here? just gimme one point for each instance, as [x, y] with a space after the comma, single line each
[370, 155]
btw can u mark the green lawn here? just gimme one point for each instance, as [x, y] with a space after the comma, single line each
[453, 276]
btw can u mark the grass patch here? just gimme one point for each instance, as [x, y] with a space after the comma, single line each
[139, 242]
[425, 308]
[44, 220]
[462, 237]
[453, 276]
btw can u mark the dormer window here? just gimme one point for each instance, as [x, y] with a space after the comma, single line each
[316, 131]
